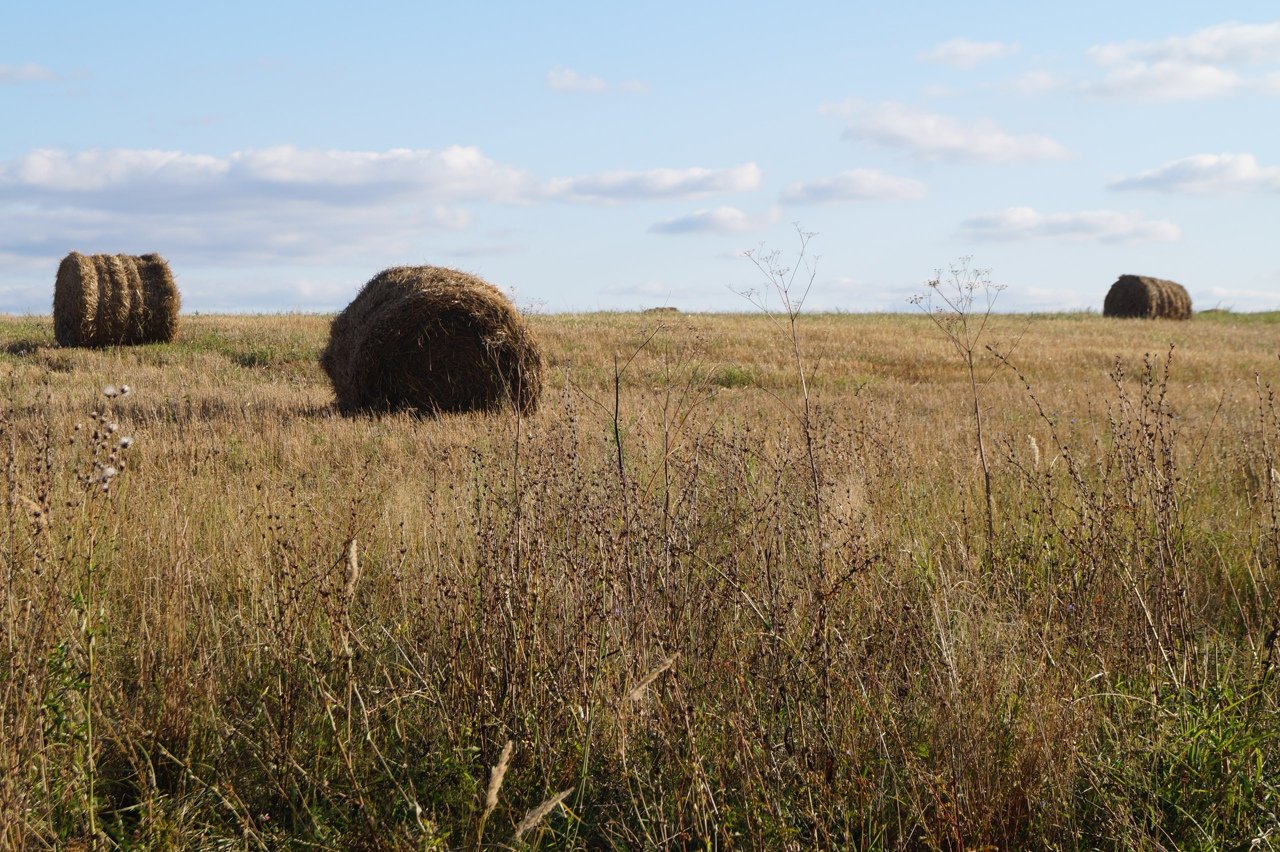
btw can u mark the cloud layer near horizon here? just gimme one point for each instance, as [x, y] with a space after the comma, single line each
[1106, 226]
[285, 201]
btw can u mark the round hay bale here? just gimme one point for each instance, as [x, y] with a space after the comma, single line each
[1150, 298]
[431, 340]
[114, 300]
[159, 318]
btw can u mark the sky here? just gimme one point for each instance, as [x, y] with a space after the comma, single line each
[611, 156]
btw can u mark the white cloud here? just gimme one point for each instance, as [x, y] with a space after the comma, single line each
[940, 137]
[1167, 80]
[720, 220]
[125, 177]
[568, 80]
[964, 53]
[288, 206]
[28, 72]
[854, 185]
[1106, 226]
[90, 171]
[1206, 174]
[1189, 67]
[1229, 43]
[617, 186]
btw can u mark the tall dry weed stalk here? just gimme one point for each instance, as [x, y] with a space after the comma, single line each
[961, 304]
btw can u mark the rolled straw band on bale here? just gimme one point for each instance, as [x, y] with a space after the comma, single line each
[114, 300]
[431, 340]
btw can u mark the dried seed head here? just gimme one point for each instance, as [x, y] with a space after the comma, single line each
[353, 570]
[125, 390]
[535, 815]
[126, 442]
[637, 692]
[496, 774]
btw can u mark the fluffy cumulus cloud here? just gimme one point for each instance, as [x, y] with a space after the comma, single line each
[939, 137]
[1206, 174]
[1228, 43]
[1198, 66]
[1105, 226]
[656, 184]
[28, 72]
[854, 185]
[1167, 81]
[718, 220]
[964, 53]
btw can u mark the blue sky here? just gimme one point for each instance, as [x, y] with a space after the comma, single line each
[610, 156]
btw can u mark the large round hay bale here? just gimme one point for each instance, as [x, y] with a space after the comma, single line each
[1150, 298]
[430, 340]
[114, 300]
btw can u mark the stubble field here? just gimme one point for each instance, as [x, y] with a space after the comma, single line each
[700, 616]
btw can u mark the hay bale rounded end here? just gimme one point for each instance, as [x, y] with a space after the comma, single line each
[1140, 296]
[429, 340]
[114, 300]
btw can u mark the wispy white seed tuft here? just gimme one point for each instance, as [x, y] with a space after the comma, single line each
[110, 391]
[353, 570]
[536, 815]
[126, 442]
[637, 691]
[496, 774]
[1035, 452]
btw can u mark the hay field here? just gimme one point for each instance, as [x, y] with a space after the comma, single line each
[703, 619]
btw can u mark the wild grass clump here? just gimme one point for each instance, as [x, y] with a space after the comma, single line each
[664, 613]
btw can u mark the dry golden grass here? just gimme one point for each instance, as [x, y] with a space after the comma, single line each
[276, 623]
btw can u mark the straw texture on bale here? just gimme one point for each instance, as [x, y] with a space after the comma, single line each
[430, 340]
[1152, 298]
[114, 300]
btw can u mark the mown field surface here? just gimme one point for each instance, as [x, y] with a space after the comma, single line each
[706, 618]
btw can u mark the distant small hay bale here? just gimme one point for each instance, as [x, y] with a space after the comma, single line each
[114, 300]
[431, 340]
[1150, 298]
